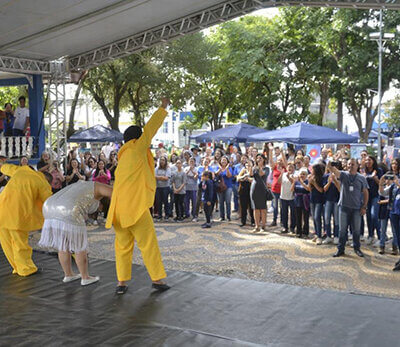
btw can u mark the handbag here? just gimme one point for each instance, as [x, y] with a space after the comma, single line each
[221, 187]
[268, 192]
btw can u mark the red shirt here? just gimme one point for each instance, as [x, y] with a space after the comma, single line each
[276, 186]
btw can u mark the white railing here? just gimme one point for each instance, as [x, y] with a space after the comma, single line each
[16, 146]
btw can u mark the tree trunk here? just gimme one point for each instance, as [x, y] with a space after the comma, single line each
[71, 123]
[340, 113]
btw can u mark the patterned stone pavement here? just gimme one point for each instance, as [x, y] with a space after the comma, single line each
[230, 251]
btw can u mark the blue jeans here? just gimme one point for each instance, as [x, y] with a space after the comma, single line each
[191, 195]
[382, 240]
[372, 217]
[316, 211]
[286, 205]
[162, 199]
[225, 199]
[349, 217]
[395, 221]
[235, 188]
[275, 205]
[331, 208]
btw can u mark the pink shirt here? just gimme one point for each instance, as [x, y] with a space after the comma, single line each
[102, 179]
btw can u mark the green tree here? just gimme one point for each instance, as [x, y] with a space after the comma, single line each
[392, 108]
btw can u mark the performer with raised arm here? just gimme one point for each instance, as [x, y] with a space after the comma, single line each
[64, 226]
[21, 204]
[132, 197]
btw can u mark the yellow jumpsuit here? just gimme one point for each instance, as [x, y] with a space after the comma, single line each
[21, 212]
[133, 195]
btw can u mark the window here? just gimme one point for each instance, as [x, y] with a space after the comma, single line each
[165, 128]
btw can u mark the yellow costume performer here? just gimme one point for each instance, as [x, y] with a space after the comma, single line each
[21, 212]
[133, 195]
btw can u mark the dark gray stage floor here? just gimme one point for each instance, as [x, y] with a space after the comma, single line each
[199, 310]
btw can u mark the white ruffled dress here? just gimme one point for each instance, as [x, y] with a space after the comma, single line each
[65, 215]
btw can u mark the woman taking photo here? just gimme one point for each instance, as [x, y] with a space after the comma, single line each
[259, 191]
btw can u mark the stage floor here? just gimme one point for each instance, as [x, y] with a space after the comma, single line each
[198, 310]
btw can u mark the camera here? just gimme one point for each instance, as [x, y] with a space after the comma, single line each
[389, 176]
[335, 164]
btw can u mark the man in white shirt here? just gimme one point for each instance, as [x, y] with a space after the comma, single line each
[21, 118]
[107, 149]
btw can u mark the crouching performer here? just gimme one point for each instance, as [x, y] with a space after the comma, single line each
[21, 204]
[64, 227]
[132, 198]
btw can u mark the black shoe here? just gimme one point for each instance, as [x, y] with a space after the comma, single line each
[284, 231]
[292, 231]
[397, 267]
[398, 262]
[242, 225]
[273, 224]
[160, 287]
[338, 254]
[121, 290]
[381, 250]
[359, 253]
[206, 226]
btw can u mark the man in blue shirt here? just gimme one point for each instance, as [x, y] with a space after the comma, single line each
[353, 203]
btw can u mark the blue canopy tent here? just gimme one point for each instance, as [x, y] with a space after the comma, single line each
[234, 133]
[304, 134]
[373, 135]
[97, 133]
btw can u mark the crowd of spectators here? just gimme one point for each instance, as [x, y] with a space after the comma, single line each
[334, 191]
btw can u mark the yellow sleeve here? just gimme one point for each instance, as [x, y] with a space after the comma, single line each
[151, 128]
[9, 169]
[45, 192]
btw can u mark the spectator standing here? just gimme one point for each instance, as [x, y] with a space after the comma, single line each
[207, 196]
[331, 208]
[163, 176]
[302, 203]
[225, 197]
[205, 167]
[9, 120]
[287, 200]
[196, 155]
[245, 181]
[74, 173]
[21, 122]
[258, 192]
[353, 203]
[317, 199]
[191, 188]
[101, 174]
[373, 174]
[112, 164]
[178, 181]
[58, 177]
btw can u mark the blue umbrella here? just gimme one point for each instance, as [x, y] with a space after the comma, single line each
[235, 133]
[97, 133]
[304, 134]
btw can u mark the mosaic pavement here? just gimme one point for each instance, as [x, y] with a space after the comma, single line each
[230, 251]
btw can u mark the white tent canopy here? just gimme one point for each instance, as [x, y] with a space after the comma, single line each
[86, 33]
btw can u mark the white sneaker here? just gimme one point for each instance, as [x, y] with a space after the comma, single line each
[95, 222]
[90, 280]
[270, 210]
[369, 240]
[319, 241]
[327, 241]
[194, 220]
[335, 240]
[68, 279]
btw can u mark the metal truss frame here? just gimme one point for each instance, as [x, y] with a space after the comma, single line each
[200, 20]
[56, 116]
[13, 64]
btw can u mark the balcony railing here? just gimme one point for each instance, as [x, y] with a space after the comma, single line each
[16, 146]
